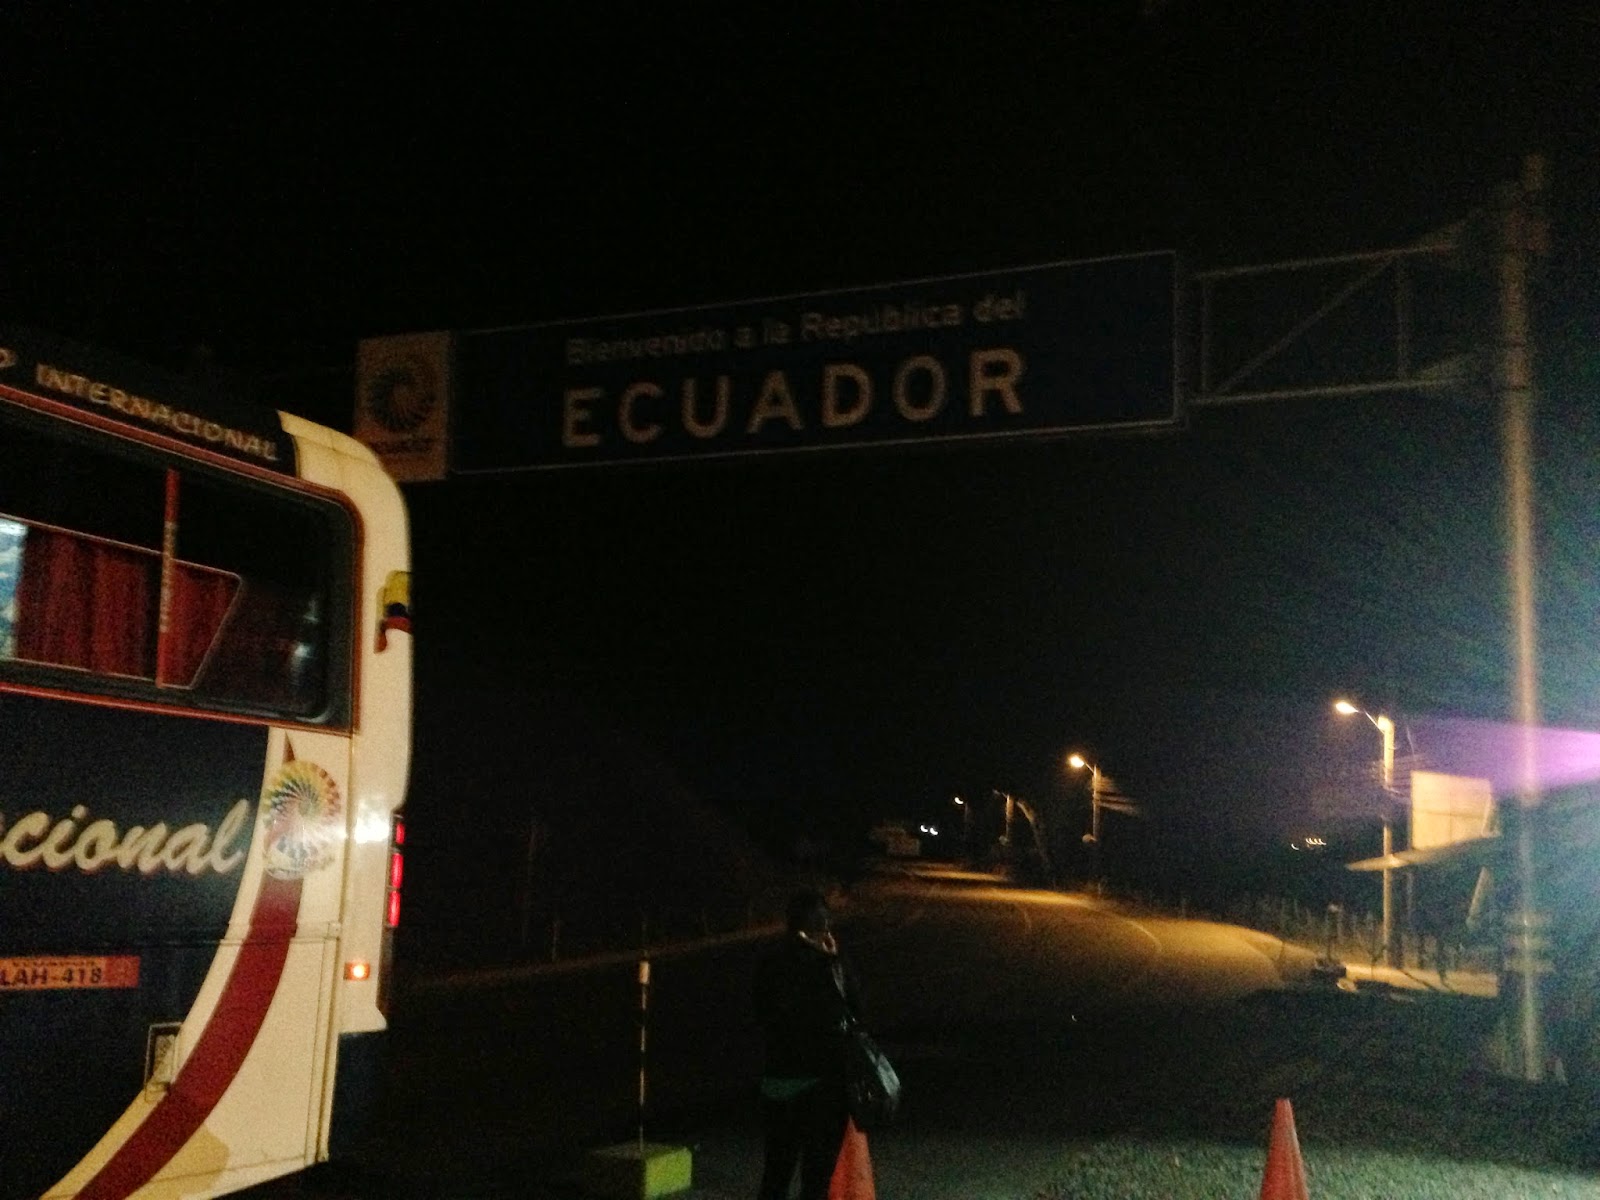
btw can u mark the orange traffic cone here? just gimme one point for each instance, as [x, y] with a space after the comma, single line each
[852, 1174]
[1285, 1177]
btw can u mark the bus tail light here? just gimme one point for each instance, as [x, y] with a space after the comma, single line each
[397, 870]
[391, 908]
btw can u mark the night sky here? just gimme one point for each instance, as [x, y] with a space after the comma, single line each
[809, 642]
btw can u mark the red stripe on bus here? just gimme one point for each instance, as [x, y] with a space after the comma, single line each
[227, 1038]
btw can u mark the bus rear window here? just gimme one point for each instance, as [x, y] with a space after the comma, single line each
[206, 588]
[259, 569]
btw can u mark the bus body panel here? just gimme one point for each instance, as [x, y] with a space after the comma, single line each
[208, 888]
[380, 759]
[258, 1050]
[381, 740]
[121, 770]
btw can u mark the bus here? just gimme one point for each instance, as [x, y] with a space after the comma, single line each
[205, 721]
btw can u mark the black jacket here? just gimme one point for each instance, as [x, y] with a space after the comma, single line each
[802, 1011]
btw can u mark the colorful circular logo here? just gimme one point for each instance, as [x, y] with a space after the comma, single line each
[401, 394]
[303, 817]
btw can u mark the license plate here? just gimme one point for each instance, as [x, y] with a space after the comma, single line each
[77, 971]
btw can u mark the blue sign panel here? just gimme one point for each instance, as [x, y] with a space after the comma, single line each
[1043, 350]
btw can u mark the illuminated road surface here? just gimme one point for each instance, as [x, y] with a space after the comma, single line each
[936, 955]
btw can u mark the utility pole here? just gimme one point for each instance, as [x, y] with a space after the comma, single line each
[1094, 826]
[1521, 237]
[1010, 812]
[1385, 727]
[1391, 947]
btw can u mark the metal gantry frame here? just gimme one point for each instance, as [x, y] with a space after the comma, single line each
[1359, 276]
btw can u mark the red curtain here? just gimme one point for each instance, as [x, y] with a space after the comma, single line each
[91, 604]
[86, 603]
[200, 600]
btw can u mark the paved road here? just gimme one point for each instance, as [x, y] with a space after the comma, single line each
[937, 955]
[1024, 1023]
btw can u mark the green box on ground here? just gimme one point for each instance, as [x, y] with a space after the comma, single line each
[636, 1171]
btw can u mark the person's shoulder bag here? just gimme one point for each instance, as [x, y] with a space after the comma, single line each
[872, 1086]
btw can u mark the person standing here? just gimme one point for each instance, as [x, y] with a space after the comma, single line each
[805, 997]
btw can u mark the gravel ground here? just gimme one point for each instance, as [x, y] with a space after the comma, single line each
[1124, 1170]
[1195, 1126]
[1387, 1104]
[971, 1166]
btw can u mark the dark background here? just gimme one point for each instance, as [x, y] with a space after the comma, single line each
[661, 659]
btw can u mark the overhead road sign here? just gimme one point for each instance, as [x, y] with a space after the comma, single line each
[1059, 348]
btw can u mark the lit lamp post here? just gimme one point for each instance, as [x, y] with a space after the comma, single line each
[1385, 727]
[966, 826]
[1078, 763]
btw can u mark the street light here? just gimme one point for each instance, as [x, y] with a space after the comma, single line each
[1385, 727]
[966, 825]
[1078, 763]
